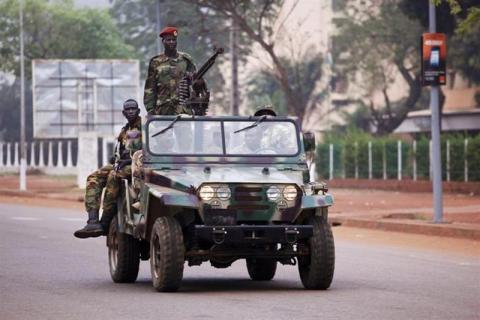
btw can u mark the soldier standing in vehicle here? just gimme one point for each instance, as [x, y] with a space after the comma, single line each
[99, 178]
[165, 72]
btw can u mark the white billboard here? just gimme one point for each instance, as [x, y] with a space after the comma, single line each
[72, 96]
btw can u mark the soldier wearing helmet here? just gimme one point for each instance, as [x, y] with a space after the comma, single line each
[266, 110]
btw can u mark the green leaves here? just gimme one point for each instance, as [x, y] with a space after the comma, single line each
[57, 30]
[372, 49]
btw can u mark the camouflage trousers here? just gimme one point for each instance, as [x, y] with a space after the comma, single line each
[95, 184]
[114, 181]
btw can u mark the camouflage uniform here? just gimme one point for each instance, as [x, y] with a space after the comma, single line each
[99, 178]
[164, 74]
[95, 184]
[131, 139]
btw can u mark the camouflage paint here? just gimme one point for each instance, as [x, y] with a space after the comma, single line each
[175, 181]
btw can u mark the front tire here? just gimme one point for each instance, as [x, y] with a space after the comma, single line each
[123, 254]
[316, 270]
[261, 269]
[167, 254]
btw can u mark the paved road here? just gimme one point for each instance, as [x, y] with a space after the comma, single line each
[45, 273]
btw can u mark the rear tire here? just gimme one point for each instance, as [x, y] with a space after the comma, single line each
[316, 270]
[123, 254]
[167, 254]
[261, 269]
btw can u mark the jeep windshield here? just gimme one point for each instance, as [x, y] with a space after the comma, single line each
[223, 137]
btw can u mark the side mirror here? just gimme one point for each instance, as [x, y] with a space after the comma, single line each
[309, 142]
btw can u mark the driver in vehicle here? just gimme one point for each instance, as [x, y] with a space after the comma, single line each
[254, 138]
[252, 143]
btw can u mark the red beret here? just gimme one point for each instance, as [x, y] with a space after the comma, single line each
[169, 30]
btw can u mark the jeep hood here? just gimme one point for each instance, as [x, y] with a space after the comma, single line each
[192, 177]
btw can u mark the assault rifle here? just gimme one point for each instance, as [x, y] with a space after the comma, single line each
[192, 91]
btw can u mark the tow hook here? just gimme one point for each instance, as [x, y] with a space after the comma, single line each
[218, 235]
[291, 235]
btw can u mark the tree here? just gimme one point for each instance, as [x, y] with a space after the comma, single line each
[52, 30]
[256, 20]
[303, 74]
[199, 32]
[57, 30]
[467, 11]
[460, 21]
[373, 47]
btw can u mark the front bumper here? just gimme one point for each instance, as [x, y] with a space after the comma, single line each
[255, 234]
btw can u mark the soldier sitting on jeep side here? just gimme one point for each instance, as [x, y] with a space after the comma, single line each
[100, 178]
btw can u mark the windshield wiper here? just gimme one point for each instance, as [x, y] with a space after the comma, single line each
[252, 125]
[170, 126]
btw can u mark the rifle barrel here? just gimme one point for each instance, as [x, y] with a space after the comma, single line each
[207, 65]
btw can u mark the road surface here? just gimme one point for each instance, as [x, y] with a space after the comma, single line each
[46, 273]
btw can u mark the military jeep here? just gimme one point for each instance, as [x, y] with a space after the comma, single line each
[220, 189]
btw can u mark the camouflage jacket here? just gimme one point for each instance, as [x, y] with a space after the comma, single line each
[130, 138]
[164, 73]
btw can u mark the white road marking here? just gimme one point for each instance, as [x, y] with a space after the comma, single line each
[25, 218]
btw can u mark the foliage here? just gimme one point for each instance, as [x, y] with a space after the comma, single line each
[137, 22]
[467, 12]
[372, 48]
[57, 30]
[264, 90]
[460, 21]
[199, 33]
[303, 75]
[464, 53]
[256, 19]
[52, 30]
[359, 118]
[422, 158]
[351, 151]
[473, 158]
[10, 112]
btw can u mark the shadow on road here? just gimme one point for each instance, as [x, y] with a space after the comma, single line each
[203, 285]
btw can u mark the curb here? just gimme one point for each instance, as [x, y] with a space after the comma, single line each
[456, 230]
[453, 230]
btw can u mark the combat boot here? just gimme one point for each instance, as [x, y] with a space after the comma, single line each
[107, 217]
[92, 229]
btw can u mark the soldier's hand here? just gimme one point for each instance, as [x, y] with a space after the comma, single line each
[199, 86]
[122, 164]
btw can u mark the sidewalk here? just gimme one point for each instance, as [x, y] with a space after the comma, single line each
[409, 212]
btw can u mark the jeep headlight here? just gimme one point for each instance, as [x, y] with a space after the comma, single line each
[224, 193]
[290, 193]
[206, 193]
[273, 193]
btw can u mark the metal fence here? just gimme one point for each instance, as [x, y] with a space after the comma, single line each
[56, 157]
[397, 160]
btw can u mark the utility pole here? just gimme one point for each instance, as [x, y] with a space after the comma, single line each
[158, 26]
[435, 128]
[23, 161]
[234, 99]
